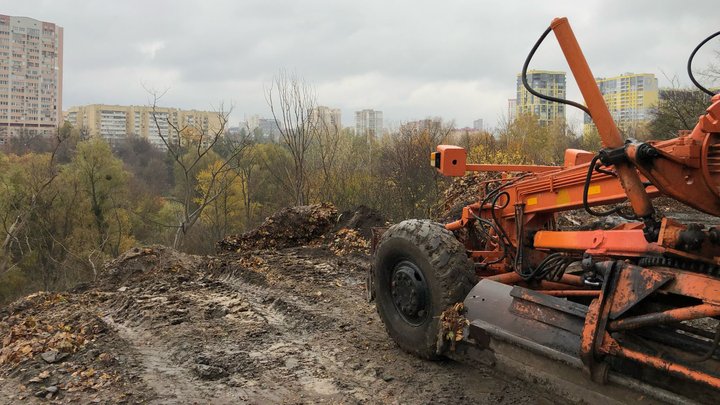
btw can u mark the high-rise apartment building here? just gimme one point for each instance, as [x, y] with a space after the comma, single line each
[267, 126]
[478, 124]
[115, 122]
[326, 118]
[544, 82]
[630, 97]
[369, 123]
[512, 109]
[31, 72]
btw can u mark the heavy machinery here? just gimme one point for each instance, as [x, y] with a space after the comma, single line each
[634, 306]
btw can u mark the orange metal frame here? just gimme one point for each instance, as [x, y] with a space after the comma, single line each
[686, 168]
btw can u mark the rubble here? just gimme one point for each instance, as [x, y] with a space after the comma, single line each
[292, 226]
[362, 219]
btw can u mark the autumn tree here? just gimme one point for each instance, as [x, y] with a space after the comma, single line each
[410, 186]
[678, 109]
[292, 101]
[190, 146]
[103, 181]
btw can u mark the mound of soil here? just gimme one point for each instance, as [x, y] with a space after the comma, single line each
[141, 263]
[363, 219]
[292, 226]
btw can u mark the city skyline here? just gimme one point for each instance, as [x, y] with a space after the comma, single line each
[362, 57]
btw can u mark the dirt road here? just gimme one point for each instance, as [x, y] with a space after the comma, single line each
[268, 326]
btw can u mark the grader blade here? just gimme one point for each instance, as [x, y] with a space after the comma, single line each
[537, 338]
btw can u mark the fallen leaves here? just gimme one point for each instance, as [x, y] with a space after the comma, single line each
[452, 325]
[348, 241]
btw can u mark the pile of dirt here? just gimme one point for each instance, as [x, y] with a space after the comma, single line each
[363, 219]
[292, 226]
[310, 225]
[141, 263]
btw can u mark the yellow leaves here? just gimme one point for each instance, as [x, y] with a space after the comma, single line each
[25, 349]
[29, 337]
[88, 373]
[348, 240]
[452, 324]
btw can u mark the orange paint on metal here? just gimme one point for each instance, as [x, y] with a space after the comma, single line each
[454, 226]
[609, 133]
[574, 157]
[452, 160]
[622, 242]
[473, 167]
[691, 284]
[612, 347]
[572, 293]
[506, 278]
[669, 316]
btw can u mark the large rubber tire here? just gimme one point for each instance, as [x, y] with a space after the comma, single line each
[427, 248]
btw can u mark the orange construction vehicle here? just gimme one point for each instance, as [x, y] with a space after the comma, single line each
[635, 306]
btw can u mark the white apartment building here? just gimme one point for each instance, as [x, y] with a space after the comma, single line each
[369, 123]
[31, 72]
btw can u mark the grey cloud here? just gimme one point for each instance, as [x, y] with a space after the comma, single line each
[388, 55]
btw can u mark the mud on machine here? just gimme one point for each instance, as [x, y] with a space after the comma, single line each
[635, 307]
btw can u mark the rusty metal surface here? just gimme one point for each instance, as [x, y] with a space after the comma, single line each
[490, 302]
[633, 285]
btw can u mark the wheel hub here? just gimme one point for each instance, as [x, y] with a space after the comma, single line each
[409, 292]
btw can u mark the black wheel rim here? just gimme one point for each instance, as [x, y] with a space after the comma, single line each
[410, 293]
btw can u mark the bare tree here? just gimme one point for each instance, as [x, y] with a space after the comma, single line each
[327, 142]
[291, 102]
[190, 145]
[677, 109]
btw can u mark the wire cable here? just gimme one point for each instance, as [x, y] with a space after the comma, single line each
[586, 189]
[689, 64]
[543, 96]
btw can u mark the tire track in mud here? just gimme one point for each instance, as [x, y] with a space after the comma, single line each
[294, 329]
[348, 344]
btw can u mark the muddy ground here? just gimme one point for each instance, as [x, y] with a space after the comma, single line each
[279, 315]
[286, 324]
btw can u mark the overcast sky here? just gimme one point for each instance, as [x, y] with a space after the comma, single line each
[410, 59]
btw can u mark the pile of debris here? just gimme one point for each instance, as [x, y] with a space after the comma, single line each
[461, 192]
[292, 226]
[315, 224]
[142, 263]
[348, 241]
[363, 219]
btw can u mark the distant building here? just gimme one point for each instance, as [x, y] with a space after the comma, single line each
[428, 124]
[544, 82]
[512, 109]
[114, 123]
[478, 124]
[31, 73]
[630, 98]
[326, 118]
[369, 123]
[267, 127]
